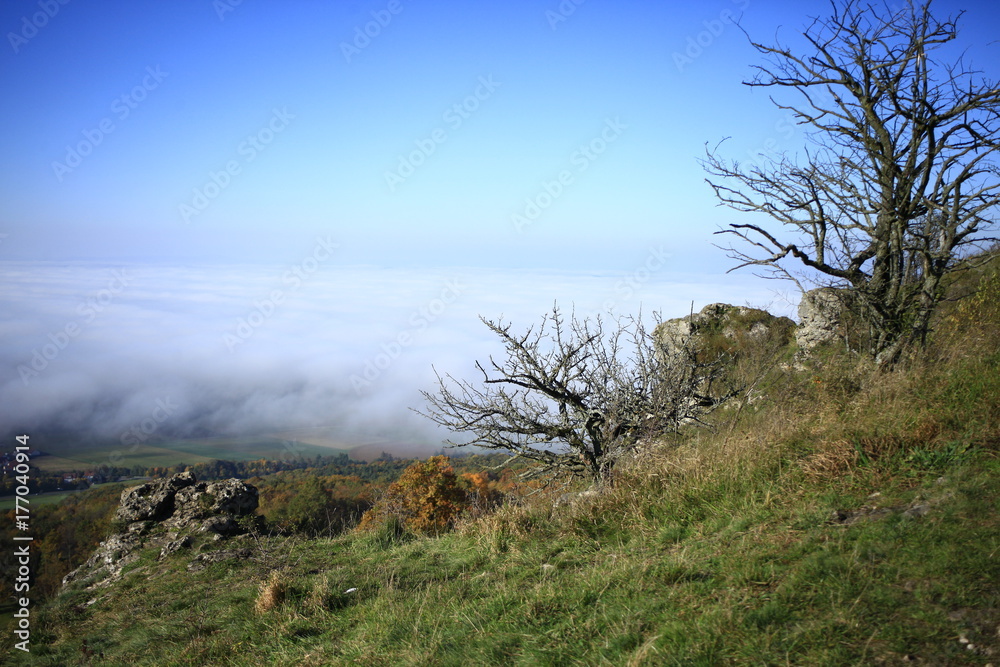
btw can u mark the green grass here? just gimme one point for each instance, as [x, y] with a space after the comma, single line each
[749, 579]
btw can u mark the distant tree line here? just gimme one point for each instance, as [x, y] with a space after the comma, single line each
[40, 481]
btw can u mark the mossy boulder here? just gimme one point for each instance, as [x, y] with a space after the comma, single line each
[720, 330]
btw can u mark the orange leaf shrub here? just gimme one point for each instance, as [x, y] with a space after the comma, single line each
[427, 497]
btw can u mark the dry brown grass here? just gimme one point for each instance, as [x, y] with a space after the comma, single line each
[832, 459]
[272, 593]
[514, 522]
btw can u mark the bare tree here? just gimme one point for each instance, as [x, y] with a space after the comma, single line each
[900, 177]
[574, 397]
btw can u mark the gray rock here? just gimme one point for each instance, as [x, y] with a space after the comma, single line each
[168, 514]
[917, 510]
[153, 500]
[723, 334]
[107, 562]
[229, 498]
[174, 546]
[820, 317]
[735, 324]
[220, 525]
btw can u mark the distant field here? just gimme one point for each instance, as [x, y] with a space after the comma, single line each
[7, 503]
[34, 501]
[67, 456]
[76, 457]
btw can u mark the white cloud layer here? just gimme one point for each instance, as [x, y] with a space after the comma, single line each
[93, 350]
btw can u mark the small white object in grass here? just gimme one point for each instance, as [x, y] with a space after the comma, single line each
[350, 590]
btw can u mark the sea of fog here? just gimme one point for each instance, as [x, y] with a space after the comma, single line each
[99, 350]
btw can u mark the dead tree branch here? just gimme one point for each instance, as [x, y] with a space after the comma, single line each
[574, 396]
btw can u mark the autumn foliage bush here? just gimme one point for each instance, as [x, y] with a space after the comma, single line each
[429, 497]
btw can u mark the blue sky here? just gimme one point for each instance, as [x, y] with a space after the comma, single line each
[519, 138]
[162, 96]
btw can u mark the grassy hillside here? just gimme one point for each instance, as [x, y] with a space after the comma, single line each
[848, 517]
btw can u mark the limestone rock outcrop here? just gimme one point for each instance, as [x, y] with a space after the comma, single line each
[725, 342]
[153, 501]
[172, 514]
[820, 317]
[722, 328]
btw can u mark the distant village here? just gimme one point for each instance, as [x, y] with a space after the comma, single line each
[40, 482]
[8, 460]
